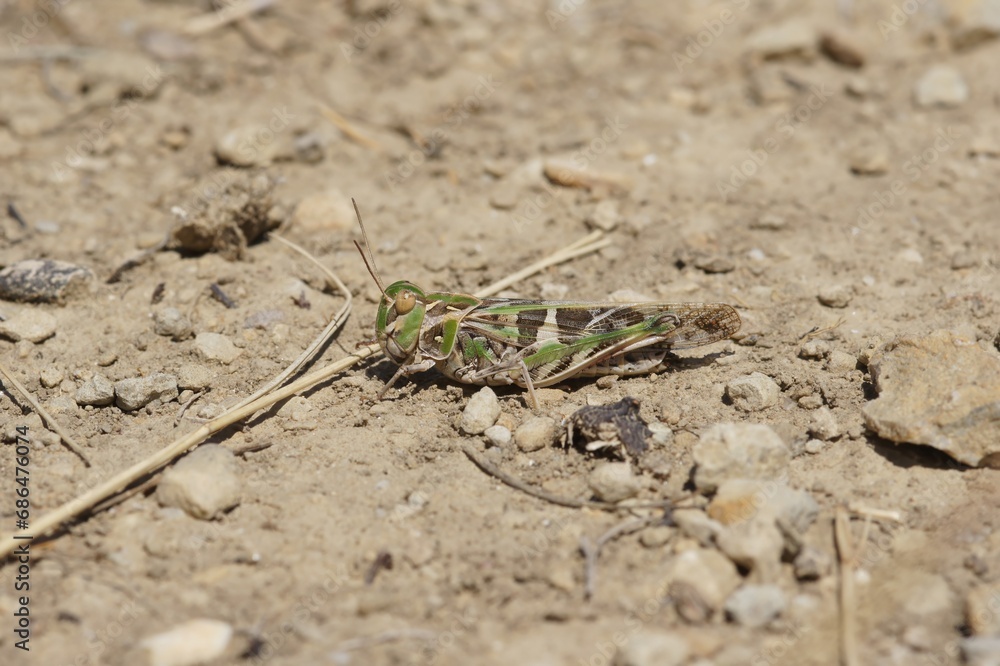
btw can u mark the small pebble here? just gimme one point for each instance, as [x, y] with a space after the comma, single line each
[607, 381]
[753, 392]
[707, 573]
[137, 392]
[29, 325]
[498, 435]
[941, 86]
[696, 524]
[811, 401]
[247, 146]
[657, 537]
[653, 647]
[482, 411]
[97, 391]
[205, 483]
[910, 256]
[814, 349]
[171, 323]
[325, 211]
[605, 216]
[814, 446]
[51, 376]
[839, 361]
[715, 264]
[835, 296]
[738, 450]
[823, 425]
[789, 39]
[842, 47]
[216, 347]
[194, 377]
[193, 642]
[755, 605]
[535, 433]
[812, 564]
[43, 281]
[614, 482]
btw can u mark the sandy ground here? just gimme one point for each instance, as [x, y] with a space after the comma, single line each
[734, 161]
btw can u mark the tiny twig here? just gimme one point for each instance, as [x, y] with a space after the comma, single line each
[341, 123]
[221, 296]
[845, 556]
[64, 436]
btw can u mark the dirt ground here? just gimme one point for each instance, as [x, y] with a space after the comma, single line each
[732, 158]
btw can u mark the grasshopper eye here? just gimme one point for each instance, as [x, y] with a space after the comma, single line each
[405, 300]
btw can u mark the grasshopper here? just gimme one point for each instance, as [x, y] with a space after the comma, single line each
[533, 343]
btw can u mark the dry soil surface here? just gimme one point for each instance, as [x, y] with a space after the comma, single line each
[830, 169]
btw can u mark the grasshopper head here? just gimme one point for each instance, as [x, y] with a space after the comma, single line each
[400, 316]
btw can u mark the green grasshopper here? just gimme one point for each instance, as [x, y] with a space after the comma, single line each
[533, 344]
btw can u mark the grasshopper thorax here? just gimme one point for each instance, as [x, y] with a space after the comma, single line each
[400, 317]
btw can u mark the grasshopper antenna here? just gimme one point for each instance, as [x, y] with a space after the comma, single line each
[372, 268]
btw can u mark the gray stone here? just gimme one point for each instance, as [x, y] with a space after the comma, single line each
[204, 483]
[536, 433]
[193, 642]
[482, 411]
[216, 347]
[171, 323]
[941, 86]
[835, 295]
[498, 435]
[981, 650]
[753, 392]
[97, 391]
[324, 211]
[30, 325]
[246, 146]
[706, 573]
[137, 392]
[696, 524]
[738, 450]
[814, 349]
[823, 424]
[43, 281]
[756, 545]
[942, 390]
[812, 564]
[755, 605]
[614, 482]
[652, 647]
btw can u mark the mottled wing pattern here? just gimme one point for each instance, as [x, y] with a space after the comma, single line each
[582, 334]
[523, 322]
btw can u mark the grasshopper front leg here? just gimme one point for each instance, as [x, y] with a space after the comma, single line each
[407, 370]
